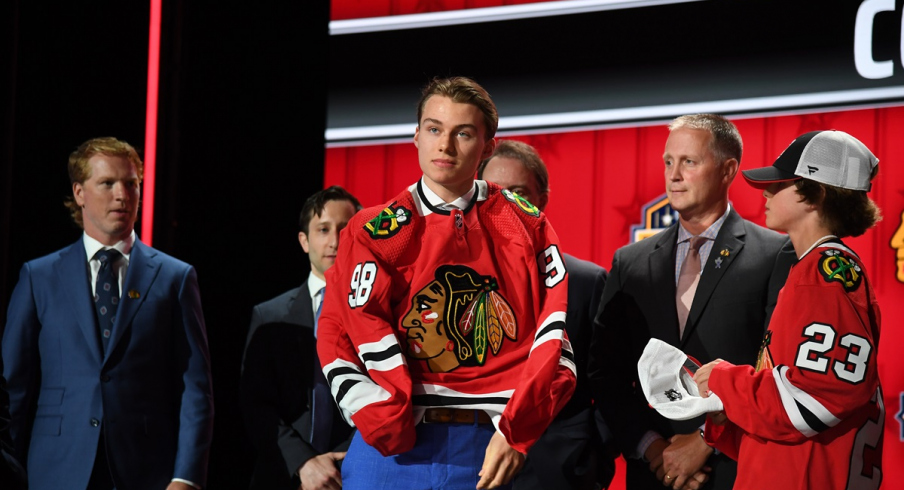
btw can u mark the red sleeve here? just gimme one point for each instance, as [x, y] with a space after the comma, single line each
[362, 359]
[726, 438]
[823, 346]
[548, 377]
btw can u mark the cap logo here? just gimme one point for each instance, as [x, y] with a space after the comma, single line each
[812, 169]
[673, 395]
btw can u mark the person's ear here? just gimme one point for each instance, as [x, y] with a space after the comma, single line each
[730, 170]
[488, 149]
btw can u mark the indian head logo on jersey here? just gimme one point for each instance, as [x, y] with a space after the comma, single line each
[764, 358]
[522, 203]
[388, 222]
[459, 318]
[836, 266]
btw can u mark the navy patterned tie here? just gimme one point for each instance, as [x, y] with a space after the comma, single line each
[322, 403]
[106, 293]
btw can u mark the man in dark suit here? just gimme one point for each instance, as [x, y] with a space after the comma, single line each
[571, 453]
[278, 378]
[105, 347]
[743, 268]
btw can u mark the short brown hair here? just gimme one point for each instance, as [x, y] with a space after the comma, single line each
[463, 91]
[80, 170]
[726, 142]
[314, 205]
[845, 212]
[524, 153]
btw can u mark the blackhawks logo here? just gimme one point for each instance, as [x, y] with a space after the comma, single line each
[458, 319]
[388, 222]
[835, 266]
[522, 203]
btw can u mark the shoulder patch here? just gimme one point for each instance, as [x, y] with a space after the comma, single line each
[388, 222]
[835, 265]
[521, 202]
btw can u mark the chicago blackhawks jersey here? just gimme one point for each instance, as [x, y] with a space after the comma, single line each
[461, 308]
[810, 415]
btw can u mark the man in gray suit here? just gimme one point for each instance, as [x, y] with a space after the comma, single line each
[278, 376]
[740, 269]
[571, 453]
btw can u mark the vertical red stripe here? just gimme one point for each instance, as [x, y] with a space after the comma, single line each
[150, 132]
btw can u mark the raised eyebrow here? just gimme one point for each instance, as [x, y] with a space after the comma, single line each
[432, 121]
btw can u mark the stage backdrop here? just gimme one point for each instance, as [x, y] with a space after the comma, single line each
[601, 180]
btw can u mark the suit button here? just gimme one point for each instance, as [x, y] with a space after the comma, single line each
[105, 378]
[95, 422]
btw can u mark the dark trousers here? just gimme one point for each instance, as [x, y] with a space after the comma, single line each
[101, 477]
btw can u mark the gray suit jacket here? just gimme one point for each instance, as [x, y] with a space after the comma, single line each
[735, 297]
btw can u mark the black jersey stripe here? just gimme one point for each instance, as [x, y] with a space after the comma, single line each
[391, 351]
[810, 418]
[344, 389]
[567, 354]
[549, 328]
[341, 371]
[444, 401]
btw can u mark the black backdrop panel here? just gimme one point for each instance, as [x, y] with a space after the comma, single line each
[240, 146]
[641, 57]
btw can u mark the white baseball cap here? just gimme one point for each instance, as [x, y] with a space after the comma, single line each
[831, 157]
[667, 380]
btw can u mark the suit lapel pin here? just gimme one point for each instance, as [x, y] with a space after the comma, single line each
[723, 253]
[134, 294]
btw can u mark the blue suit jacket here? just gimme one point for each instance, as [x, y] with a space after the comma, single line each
[151, 390]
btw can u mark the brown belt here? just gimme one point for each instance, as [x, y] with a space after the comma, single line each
[455, 416]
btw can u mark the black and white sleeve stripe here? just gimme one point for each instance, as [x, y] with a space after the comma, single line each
[352, 389]
[383, 355]
[806, 413]
[433, 395]
[553, 328]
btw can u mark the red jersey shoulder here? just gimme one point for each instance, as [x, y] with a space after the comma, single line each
[504, 204]
[837, 266]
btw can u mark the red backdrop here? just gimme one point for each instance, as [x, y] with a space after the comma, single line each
[600, 181]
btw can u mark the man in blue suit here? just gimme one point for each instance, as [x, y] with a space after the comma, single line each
[105, 348]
